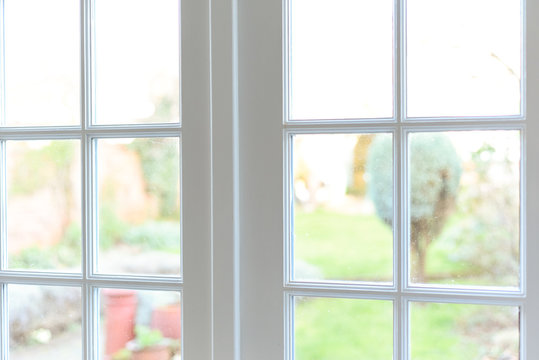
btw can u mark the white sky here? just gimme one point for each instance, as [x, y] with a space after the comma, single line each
[461, 55]
[136, 51]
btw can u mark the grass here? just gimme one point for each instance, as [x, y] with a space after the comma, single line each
[351, 329]
[360, 247]
[344, 247]
[343, 329]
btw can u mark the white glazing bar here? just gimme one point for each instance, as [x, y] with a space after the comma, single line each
[90, 206]
[288, 229]
[91, 313]
[86, 101]
[86, 322]
[3, 207]
[4, 322]
[289, 326]
[337, 127]
[402, 308]
[2, 66]
[399, 234]
[398, 191]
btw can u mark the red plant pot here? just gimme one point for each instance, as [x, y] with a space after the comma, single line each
[157, 352]
[167, 319]
[120, 311]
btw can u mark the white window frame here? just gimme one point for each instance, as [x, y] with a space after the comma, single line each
[195, 282]
[266, 285]
[234, 290]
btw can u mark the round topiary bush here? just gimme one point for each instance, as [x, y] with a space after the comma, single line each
[434, 176]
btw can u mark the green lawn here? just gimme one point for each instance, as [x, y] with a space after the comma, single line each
[351, 329]
[344, 247]
[359, 247]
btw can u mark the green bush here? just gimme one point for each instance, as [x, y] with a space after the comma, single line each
[434, 177]
[160, 163]
[111, 227]
[155, 235]
[42, 167]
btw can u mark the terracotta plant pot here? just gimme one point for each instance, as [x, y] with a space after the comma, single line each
[167, 319]
[157, 352]
[120, 310]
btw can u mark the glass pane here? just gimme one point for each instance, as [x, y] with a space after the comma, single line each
[344, 329]
[457, 332]
[343, 207]
[463, 57]
[139, 206]
[42, 66]
[139, 325]
[44, 322]
[44, 205]
[465, 208]
[137, 61]
[341, 59]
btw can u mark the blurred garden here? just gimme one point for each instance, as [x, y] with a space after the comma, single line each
[464, 226]
[139, 211]
[138, 191]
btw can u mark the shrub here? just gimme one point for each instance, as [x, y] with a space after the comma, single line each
[155, 235]
[160, 162]
[434, 177]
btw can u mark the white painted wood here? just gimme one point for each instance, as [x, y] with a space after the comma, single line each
[261, 179]
[225, 185]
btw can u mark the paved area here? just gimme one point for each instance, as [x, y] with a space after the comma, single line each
[65, 346]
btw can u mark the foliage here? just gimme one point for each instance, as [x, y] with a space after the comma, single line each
[146, 337]
[32, 258]
[122, 354]
[68, 250]
[434, 177]
[65, 253]
[111, 227]
[43, 166]
[434, 172]
[155, 235]
[488, 240]
[359, 184]
[160, 163]
[380, 171]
